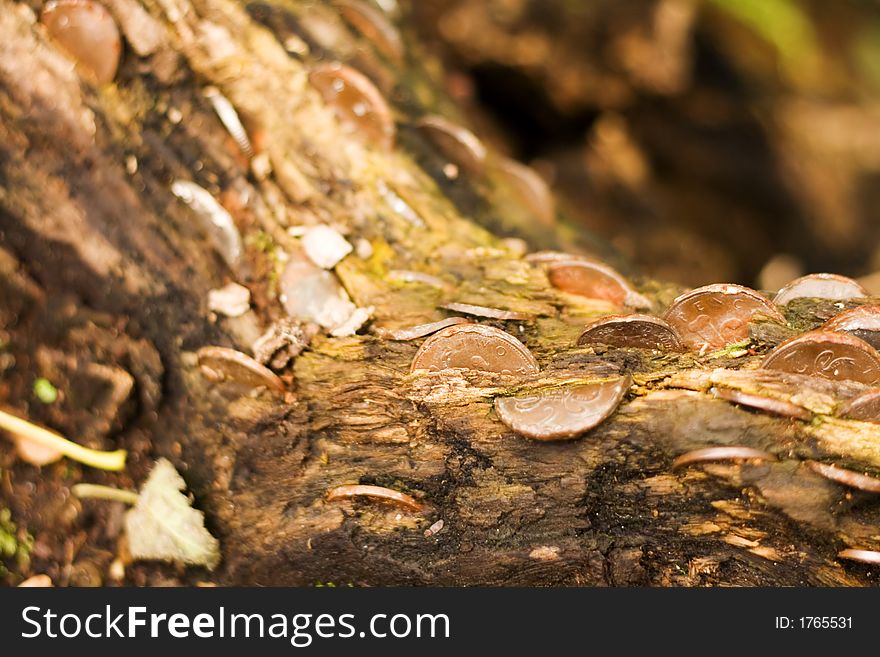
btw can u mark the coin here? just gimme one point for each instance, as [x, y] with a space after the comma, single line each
[726, 453]
[562, 413]
[595, 281]
[830, 355]
[221, 364]
[420, 331]
[865, 407]
[531, 189]
[865, 556]
[356, 101]
[776, 406]
[374, 492]
[457, 144]
[87, 32]
[861, 321]
[637, 331]
[845, 477]
[715, 316]
[820, 286]
[474, 347]
[486, 311]
[374, 26]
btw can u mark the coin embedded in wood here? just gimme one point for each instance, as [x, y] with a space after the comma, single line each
[421, 330]
[486, 311]
[715, 316]
[595, 281]
[374, 26]
[474, 347]
[865, 407]
[221, 364]
[531, 189]
[768, 404]
[830, 355]
[356, 102]
[820, 286]
[864, 556]
[846, 477]
[722, 453]
[635, 331]
[562, 413]
[457, 144]
[861, 321]
[87, 31]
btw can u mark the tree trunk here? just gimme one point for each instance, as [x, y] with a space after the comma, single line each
[105, 280]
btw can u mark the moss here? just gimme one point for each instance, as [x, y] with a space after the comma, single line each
[15, 546]
[45, 391]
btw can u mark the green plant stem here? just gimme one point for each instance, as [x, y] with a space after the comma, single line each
[97, 459]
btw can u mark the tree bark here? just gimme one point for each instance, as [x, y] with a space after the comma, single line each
[106, 276]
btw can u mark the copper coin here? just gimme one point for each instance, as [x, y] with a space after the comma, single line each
[374, 492]
[835, 356]
[548, 257]
[820, 286]
[864, 556]
[457, 144]
[846, 477]
[531, 189]
[374, 26]
[420, 331]
[595, 281]
[475, 347]
[861, 321]
[865, 407]
[715, 316]
[776, 406]
[729, 453]
[486, 311]
[562, 413]
[222, 364]
[86, 31]
[356, 101]
[636, 331]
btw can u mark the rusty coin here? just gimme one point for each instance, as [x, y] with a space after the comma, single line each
[595, 281]
[221, 364]
[865, 407]
[830, 355]
[486, 311]
[820, 286]
[562, 413]
[861, 321]
[356, 101]
[715, 316]
[846, 477]
[457, 144]
[474, 347]
[87, 32]
[374, 26]
[637, 331]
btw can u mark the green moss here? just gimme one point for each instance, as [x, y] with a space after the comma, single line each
[13, 548]
[45, 391]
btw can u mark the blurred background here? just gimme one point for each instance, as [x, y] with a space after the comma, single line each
[707, 140]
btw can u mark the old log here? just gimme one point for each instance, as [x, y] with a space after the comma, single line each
[106, 275]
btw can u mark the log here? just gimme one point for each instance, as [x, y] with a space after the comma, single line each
[105, 283]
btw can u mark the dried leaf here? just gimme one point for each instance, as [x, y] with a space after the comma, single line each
[163, 525]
